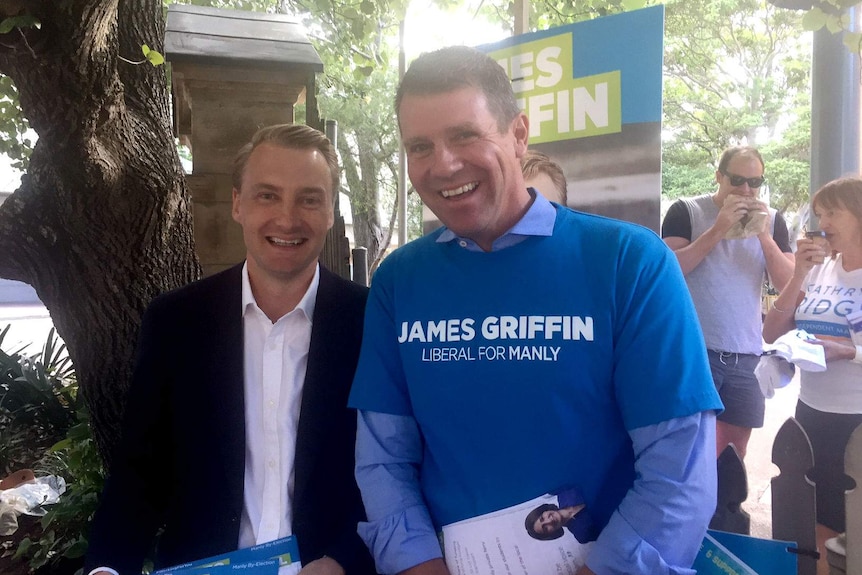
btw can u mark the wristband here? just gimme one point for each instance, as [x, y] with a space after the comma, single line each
[779, 310]
[858, 357]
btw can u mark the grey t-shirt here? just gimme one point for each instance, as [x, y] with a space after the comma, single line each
[726, 286]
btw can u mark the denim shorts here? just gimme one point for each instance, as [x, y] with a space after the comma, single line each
[733, 375]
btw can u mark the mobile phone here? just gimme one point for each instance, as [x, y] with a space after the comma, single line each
[815, 234]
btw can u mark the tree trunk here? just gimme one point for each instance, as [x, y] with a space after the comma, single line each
[102, 221]
[362, 188]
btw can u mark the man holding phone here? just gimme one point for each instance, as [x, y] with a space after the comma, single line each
[725, 242]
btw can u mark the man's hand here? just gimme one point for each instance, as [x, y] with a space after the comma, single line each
[323, 566]
[432, 567]
[759, 206]
[734, 209]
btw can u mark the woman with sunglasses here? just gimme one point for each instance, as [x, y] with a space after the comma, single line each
[825, 287]
[725, 242]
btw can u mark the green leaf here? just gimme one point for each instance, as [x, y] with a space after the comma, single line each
[46, 520]
[23, 547]
[367, 7]
[7, 25]
[853, 41]
[60, 445]
[77, 549]
[21, 21]
[833, 23]
[155, 58]
[814, 20]
[633, 4]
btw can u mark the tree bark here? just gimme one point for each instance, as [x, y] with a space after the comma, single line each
[102, 221]
[363, 190]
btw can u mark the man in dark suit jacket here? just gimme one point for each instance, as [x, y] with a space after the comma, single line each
[185, 458]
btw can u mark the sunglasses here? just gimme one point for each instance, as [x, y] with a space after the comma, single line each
[737, 181]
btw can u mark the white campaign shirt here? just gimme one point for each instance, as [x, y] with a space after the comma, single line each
[831, 292]
[275, 360]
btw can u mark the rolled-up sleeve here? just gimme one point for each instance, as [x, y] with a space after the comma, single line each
[399, 531]
[659, 525]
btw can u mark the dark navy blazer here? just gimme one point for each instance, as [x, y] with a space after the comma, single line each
[181, 462]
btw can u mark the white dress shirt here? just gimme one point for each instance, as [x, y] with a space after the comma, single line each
[275, 362]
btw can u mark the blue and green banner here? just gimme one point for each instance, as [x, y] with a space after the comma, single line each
[593, 94]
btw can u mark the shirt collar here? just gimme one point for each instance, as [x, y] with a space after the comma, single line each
[305, 305]
[538, 221]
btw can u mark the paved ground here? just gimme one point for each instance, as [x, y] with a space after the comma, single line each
[758, 461]
[29, 326]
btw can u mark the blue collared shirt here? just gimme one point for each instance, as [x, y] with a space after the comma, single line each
[649, 533]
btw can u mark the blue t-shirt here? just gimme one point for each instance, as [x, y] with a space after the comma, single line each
[525, 367]
[581, 525]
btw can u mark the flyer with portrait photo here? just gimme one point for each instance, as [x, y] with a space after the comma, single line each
[551, 534]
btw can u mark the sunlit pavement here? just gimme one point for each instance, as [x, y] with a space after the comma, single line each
[28, 326]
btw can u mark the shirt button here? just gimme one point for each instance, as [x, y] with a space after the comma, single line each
[462, 243]
[271, 464]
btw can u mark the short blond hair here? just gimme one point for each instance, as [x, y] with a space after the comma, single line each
[292, 137]
[534, 163]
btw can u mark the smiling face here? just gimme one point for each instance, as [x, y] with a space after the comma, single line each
[285, 208]
[463, 167]
[548, 522]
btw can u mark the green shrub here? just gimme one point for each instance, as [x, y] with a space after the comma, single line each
[46, 426]
[38, 402]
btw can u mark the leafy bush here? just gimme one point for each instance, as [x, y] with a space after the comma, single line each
[63, 538]
[38, 402]
[45, 426]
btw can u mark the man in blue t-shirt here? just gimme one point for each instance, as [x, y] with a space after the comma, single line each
[523, 349]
